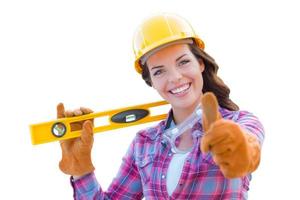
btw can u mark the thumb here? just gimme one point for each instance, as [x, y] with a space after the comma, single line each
[60, 110]
[210, 108]
[210, 115]
[87, 132]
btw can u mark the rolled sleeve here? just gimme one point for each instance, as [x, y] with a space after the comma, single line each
[85, 187]
[252, 124]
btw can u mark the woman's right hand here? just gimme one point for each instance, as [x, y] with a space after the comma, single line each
[76, 152]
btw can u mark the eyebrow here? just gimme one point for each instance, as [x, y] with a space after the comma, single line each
[160, 66]
[180, 57]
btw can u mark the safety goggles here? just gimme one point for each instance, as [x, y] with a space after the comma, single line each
[173, 133]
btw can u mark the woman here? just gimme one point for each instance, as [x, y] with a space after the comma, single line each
[214, 163]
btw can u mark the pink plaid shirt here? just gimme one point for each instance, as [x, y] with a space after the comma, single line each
[144, 168]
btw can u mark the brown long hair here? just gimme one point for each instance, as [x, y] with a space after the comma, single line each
[211, 81]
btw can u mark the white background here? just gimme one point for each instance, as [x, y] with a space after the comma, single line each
[80, 53]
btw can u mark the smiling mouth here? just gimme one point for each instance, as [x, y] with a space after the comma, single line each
[182, 89]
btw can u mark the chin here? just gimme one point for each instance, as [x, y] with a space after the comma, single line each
[184, 104]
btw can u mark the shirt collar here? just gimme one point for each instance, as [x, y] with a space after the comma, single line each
[153, 132]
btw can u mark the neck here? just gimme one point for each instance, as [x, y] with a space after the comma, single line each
[180, 114]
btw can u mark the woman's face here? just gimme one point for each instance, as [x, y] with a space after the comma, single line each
[176, 74]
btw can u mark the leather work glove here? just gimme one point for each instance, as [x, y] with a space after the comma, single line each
[76, 152]
[234, 150]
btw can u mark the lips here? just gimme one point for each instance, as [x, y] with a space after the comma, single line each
[181, 89]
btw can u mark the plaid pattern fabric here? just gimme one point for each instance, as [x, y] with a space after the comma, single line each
[144, 168]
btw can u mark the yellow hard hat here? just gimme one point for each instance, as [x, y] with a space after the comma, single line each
[159, 30]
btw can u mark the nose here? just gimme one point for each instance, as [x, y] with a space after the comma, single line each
[174, 75]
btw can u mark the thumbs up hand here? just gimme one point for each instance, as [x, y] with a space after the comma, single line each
[235, 151]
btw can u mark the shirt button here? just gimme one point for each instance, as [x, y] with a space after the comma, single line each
[163, 176]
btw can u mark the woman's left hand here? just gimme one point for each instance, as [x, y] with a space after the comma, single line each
[235, 151]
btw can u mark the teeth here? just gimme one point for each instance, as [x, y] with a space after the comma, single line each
[180, 89]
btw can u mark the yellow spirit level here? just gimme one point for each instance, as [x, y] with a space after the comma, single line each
[60, 129]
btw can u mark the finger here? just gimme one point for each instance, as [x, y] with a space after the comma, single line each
[215, 135]
[210, 140]
[210, 108]
[223, 129]
[86, 110]
[87, 132]
[60, 110]
[69, 113]
[78, 112]
[222, 160]
[221, 148]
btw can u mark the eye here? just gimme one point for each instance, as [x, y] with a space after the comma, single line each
[184, 62]
[158, 72]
